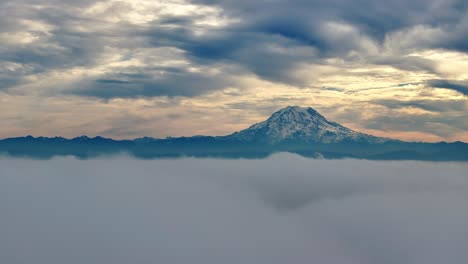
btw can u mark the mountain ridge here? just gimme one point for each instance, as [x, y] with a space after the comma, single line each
[295, 129]
[234, 135]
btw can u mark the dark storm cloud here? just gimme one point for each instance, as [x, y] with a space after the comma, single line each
[461, 87]
[285, 209]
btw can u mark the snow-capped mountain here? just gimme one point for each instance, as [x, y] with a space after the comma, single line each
[302, 125]
[293, 129]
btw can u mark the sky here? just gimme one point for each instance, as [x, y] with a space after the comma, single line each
[127, 69]
[284, 209]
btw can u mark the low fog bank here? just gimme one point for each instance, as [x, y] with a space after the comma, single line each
[284, 209]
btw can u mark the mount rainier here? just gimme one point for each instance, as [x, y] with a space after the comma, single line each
[296, 124]
[293, 129]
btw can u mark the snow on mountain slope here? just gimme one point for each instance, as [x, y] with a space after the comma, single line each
[302, 125]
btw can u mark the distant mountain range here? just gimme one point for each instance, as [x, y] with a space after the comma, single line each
[292, 129]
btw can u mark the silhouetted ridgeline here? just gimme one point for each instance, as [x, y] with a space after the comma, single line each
[292, 129]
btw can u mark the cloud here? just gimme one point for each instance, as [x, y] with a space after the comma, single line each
[438, 106]
[269, 39]
[273, 53]
[173, 82]
[96, 38]
[303, 20]
[269, 56]
[285, 209]
[458, 86]
[443, 125]
[406, 63]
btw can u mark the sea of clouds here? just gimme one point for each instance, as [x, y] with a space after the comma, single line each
[284, 209]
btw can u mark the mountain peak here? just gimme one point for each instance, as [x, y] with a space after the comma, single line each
[301, 125]
[297, 109]
[296, 114]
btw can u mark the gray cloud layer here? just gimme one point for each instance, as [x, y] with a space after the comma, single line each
[284, 209]
[461, 87]
[268, 38]
[174, 83]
